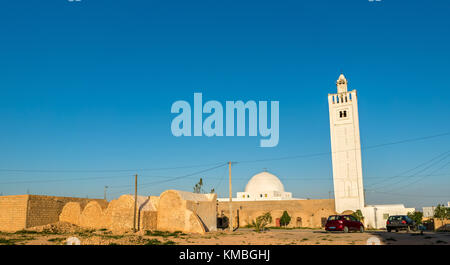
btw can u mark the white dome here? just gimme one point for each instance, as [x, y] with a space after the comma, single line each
[264, 181]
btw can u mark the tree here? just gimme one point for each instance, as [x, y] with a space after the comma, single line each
[441, 212]
[358, 215]
[416, 216]
[198, 186]
[285, 219]
[262, 221]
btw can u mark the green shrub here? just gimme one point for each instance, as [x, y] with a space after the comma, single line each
[262, 221]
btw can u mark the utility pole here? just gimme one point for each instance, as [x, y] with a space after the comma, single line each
[104, 194]
[230, 223]
[135, 202]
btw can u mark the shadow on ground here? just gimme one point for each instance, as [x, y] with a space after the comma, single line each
[412, 238]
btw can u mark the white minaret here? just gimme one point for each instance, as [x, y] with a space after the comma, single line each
[346, 148]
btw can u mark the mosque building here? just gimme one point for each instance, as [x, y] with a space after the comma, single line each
[265, 192]
[262, 186]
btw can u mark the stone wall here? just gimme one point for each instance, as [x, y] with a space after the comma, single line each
[13, 212]
[441, 225]
[118, 215]
[44, 210]
[187, 212]
[303, 213]
[23, 211]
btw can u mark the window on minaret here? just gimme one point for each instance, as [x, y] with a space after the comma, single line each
[345, 113]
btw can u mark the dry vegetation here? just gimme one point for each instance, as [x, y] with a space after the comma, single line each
[56, 234]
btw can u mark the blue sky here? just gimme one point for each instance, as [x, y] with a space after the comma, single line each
[86, 90]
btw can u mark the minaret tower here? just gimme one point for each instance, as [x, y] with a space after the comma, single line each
[345, 148]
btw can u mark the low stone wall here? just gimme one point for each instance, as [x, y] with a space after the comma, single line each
[23, 211]
[441, 225]
[187, 212]
[117, 216]
[13, 212]
[121, 212]
[303, 213]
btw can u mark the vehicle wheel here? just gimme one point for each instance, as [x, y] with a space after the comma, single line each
[361, 229]
[396, 230]
[389, 230]
[345, 229]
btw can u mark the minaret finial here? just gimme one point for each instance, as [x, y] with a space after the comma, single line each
[341, 84]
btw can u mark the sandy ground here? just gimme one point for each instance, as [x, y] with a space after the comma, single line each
[57, 235]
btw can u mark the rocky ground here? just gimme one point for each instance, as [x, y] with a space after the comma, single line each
[58, 233]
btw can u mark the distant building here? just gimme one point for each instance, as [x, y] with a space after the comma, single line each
[262, 186]
[429, 211]
[265, 192]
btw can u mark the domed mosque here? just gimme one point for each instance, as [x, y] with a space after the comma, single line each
[263, 186]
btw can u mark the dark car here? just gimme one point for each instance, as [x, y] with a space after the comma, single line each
[400, 222]
[344, 223]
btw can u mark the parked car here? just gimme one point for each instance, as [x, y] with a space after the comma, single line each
[400, 222]
[344, 223]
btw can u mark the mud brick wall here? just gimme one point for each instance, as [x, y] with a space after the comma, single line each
[148, 220]
[13, 212]
[304, 213]
[23, 211]
[44, 210]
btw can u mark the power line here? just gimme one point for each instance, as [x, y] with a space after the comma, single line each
[210, 164]
[59, 180]
[172, 179]
[410, 170]
[353, 149]
[411, 195]
[420, 171]
[100, 170]
[422, 178]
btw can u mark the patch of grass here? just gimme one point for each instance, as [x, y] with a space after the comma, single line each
[56, 239]
[13, 241]
[153, 241]
[113, 236]
[169, 242]
[86, 233]
[304, 239]
[26, 232]
[7, 241]
[164, 233]
[441, 242]
[281, 228]
[32, 232]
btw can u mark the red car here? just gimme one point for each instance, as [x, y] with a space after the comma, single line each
[344, 223]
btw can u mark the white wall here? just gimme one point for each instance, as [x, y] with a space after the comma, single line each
[375, 216]
[346, 150]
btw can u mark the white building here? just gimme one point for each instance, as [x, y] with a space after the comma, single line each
[375, 216]
[429, 211]
[346, 159]
[345, 148]
[262, 186]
